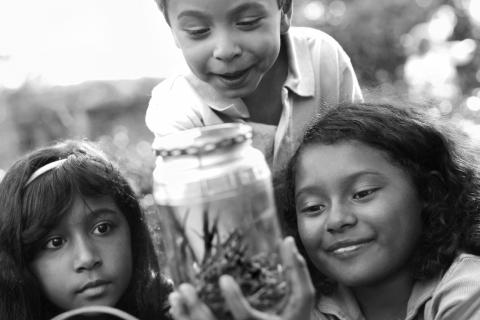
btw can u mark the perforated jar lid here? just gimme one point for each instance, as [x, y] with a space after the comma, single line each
[203, 140]
[207, 163]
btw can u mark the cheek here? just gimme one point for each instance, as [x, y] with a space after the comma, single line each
[53, 280]
[402, 227]
[269, 48]
[197, 53]
[310, 234]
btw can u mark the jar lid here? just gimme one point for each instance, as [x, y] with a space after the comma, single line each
[202, 140]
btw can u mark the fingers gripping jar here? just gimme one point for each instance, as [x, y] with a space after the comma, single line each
[217, 215]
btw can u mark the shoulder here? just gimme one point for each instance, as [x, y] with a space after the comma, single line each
[174, 105]
[174, 88]
[458, 288]
[324, 52]
[315, 38]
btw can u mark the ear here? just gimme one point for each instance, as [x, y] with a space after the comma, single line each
[286, 16]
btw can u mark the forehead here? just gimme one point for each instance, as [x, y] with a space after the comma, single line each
[320, 162]
[85, 208]
[209, 6]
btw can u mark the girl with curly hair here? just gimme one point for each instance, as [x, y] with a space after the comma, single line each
[385, 205]
[72, 234]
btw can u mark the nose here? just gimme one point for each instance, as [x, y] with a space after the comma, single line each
[226, 47]
[86, 255]
[340, 218]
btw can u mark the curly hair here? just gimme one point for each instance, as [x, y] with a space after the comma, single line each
[27, 213]
[420, 145]
[162, 5]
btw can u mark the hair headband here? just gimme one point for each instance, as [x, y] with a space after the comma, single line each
[45, 168]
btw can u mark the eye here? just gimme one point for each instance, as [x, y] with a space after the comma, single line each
[364, 193]
[197, 32]
[312, 209]
[248, 23]
[54, 243]
[102, 228]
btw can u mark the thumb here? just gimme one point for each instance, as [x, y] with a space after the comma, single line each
[301, 301]
[236, 302]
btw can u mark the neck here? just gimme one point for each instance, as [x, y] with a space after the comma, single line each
[265, 103]
[386, 300]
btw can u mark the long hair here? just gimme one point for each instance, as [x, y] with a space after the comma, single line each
[27, 213]
[420, 145]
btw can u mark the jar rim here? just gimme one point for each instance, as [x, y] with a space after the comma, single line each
[202, 140]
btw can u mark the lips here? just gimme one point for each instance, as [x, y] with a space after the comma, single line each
[233, 75]
[92, 285]
[345, 247]
[235, 78]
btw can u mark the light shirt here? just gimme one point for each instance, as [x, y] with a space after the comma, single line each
[320, 75]
[455, 296]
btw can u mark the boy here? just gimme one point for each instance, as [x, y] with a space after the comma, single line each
[245, 66]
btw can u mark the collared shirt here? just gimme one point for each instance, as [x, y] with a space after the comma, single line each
[320, 75]
[455, 296]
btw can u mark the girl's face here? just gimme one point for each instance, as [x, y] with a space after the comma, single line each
[359, 215]
[86, 259]
[230, 44]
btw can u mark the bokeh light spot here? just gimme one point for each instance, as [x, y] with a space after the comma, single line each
[314, 11]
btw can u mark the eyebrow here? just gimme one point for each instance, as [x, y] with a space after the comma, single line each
[191, 13]
[101, 211]
[247, 6]
[345, 180]
[235, 11]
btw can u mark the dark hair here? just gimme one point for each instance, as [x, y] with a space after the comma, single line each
[162, 5]
[27, 213]
[421, 146]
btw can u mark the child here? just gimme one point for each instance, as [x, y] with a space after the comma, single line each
[72, 234]
[246, 67]
[384, 204]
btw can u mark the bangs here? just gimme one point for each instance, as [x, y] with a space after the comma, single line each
[45, 201]
[50, 197]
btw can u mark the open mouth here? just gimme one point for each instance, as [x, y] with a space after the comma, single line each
[234, 75]
[234, 78]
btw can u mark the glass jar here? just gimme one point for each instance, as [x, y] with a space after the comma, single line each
[217, 215]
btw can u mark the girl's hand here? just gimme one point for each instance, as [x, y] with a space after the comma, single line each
[186, 305]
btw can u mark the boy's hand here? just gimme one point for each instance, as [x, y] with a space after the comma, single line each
[187, 306]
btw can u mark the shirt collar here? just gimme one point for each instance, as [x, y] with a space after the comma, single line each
[342, 304]
[422, 291]
[234, 108]
[300, 80]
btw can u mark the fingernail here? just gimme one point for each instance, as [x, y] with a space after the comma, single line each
[173, 298]
[225, 279]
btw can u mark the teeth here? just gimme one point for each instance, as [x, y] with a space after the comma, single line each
[347, 249]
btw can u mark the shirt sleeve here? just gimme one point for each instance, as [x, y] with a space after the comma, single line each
[173, 106]
[349, 86]
[458, 293]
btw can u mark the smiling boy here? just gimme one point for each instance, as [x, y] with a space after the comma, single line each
[248, 65]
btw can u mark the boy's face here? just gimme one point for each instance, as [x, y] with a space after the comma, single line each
[87, 258]
[229, 44]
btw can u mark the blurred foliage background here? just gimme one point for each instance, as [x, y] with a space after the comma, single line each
[423, 50]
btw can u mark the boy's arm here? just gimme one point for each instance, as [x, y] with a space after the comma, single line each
[349, 86]
[173, 106]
